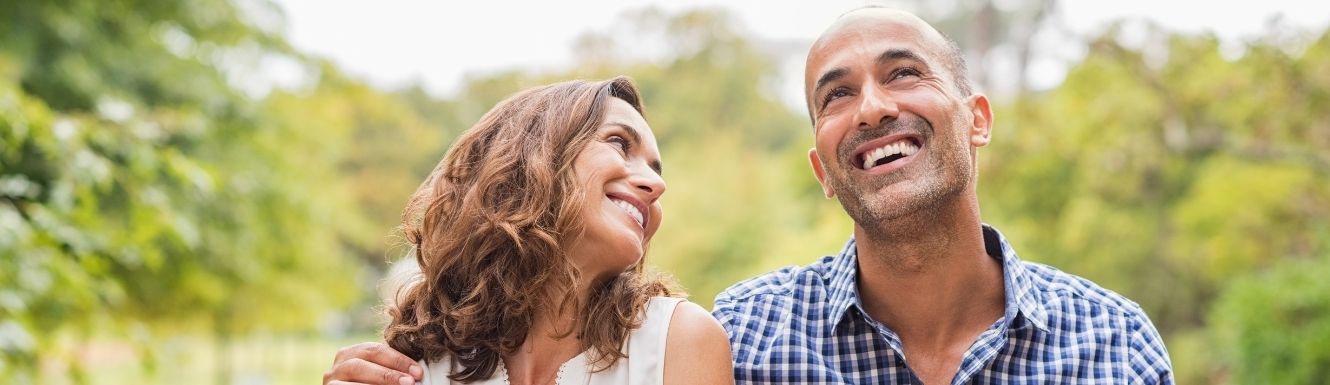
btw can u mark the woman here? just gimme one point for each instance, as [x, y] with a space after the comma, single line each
[530, 236]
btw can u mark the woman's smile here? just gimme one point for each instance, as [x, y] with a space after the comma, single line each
[631, 206]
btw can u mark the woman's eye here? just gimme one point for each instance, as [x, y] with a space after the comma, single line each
[620, 142]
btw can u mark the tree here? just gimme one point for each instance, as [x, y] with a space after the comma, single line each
[142, 187]
[1169, 176]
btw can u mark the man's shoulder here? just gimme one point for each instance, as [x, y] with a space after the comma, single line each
[783, 282]
[1081, 312]
[1069, 293]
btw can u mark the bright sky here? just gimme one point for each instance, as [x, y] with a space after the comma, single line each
[394, 42]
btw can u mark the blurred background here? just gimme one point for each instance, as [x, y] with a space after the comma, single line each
[204, 191]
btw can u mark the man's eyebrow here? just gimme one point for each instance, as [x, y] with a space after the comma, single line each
[637, 138]
[828, 77]
[887, 56]
[895, 54]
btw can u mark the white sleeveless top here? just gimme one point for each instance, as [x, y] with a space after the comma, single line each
[645, 364]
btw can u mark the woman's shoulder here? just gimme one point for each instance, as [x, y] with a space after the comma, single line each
[680, 317]
[674, 324]
[662, 305]
[693, 327]
[438, 370]
[697, 350]
[657, 318]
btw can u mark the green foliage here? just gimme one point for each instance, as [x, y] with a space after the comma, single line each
[140, 189]
[1278, 324]
[375, 148]
[1166, 174]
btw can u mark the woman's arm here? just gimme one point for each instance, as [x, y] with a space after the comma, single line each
[697, 351]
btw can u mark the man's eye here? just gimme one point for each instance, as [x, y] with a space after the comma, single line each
[835, 94]
[903, 72]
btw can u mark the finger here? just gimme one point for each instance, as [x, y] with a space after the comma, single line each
[379, 353]
[361, 371]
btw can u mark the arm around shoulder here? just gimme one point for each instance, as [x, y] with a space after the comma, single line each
[697, 351]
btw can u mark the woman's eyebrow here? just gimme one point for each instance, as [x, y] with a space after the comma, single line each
[637, 138]
[632, 131]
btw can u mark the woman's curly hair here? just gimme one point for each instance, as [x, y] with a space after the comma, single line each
[489, 228]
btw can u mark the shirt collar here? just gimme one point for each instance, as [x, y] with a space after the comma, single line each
[1023, 301]
[842, 280]
[1020, 292]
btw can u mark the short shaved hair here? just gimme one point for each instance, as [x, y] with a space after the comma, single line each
[953, 58]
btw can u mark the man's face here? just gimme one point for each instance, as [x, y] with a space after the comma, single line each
[893, 135]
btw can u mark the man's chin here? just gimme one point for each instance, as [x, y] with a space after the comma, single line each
[865, 212]
[886, 205]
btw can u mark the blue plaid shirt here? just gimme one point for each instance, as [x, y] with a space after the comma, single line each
[806, 325]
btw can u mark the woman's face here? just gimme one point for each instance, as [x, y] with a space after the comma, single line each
[619, 171]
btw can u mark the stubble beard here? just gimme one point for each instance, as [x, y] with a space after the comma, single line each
[940, 178]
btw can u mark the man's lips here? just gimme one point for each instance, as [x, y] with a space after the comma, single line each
[891, 150]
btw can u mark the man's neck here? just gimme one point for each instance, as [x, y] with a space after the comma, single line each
[929, 278]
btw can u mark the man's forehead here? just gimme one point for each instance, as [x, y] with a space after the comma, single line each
[879, 23]
[880, 28]
[873, 25]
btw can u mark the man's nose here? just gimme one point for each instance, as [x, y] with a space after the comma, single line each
[876, 107]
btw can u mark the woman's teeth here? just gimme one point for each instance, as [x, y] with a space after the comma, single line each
[630, 209]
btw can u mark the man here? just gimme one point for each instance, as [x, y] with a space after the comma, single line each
[924, 292]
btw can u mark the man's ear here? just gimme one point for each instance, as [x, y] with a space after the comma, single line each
[981, 127]
[819, 172]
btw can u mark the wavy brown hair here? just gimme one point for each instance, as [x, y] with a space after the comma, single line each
[489, 227]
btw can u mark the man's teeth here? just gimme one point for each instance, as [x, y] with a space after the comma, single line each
[630, 209]
[903, 148]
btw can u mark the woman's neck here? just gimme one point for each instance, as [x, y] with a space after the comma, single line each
[552, 341]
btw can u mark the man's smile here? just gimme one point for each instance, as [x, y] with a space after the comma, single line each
[888, 153]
